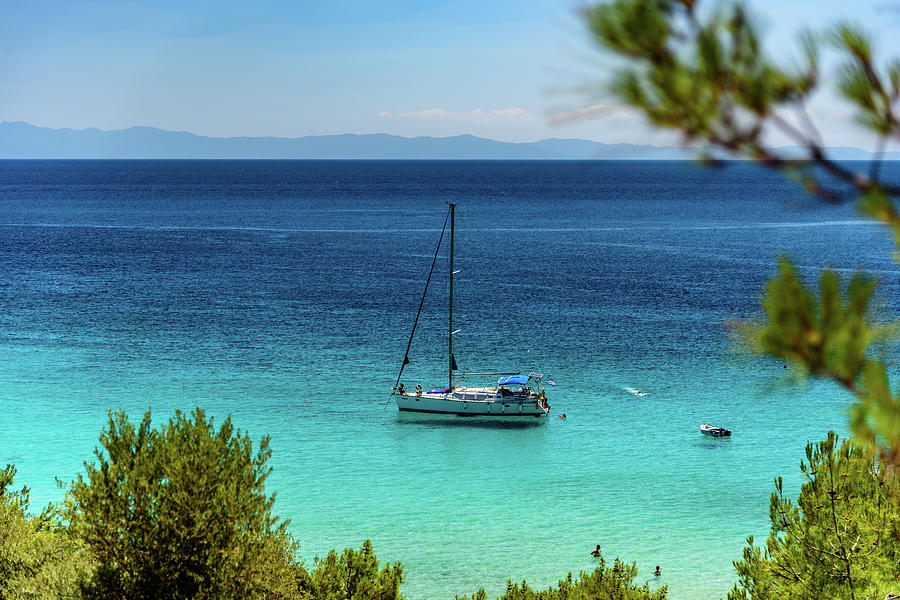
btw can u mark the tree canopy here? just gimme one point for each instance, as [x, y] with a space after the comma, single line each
[38, 558]
[181, 512]
[604, 582]
[841, 539]
[355, 575]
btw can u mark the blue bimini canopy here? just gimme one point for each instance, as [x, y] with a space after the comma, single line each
[514, 380]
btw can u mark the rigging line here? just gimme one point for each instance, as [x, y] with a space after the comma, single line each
[421, 303]
[467, 230]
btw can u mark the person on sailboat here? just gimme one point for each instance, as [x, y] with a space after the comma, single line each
[418, 390]
[401, 389]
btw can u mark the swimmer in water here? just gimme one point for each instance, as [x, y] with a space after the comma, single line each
[596, 551]
[658, 571]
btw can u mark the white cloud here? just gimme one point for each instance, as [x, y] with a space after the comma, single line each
[509, 113]
[588, 112]
[477, 114]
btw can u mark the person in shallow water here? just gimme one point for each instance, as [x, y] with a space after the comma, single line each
[596, 551]
[658, 571]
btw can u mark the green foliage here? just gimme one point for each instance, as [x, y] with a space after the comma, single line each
[178, 512]
[181, 512]
[708, 80]
[355, 575]
[840, 540]
[859, 81]
[603, 583]
[828, 333]
[38, 561]
[875, 419]
[876, 204]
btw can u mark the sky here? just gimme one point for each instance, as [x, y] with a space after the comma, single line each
[512, 70]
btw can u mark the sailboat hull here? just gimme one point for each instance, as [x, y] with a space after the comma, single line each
[447, 404]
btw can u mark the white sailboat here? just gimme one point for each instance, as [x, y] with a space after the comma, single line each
[514, 395]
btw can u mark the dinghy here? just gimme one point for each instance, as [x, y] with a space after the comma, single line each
[714, 431]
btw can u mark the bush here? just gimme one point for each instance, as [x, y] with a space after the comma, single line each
[603, 583]
[181, 512]
[38, 561]
[354, 575]
[840, 540]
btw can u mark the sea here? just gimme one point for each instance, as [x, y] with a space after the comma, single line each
[283, 294]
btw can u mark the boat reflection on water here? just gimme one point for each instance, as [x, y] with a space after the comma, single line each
[438, 421]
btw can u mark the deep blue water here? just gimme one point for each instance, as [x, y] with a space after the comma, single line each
[282, 293]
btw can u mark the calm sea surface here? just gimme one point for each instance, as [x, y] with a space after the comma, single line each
[283, 293]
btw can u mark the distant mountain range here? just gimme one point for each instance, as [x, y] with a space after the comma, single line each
[22, 140]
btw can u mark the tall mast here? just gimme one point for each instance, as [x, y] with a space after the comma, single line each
[450, 337]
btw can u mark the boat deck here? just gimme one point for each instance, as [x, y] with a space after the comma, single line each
[473, 401]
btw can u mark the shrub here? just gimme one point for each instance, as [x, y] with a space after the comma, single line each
[38, 560]
[603, 583]
[181, 512]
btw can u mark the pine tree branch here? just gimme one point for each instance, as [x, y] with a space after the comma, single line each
[831, 495]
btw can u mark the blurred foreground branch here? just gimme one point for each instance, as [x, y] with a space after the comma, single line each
[708, 77]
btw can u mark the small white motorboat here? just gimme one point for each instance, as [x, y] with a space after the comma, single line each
[714, 431]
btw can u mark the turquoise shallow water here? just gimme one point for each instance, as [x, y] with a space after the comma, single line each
[282, 293]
